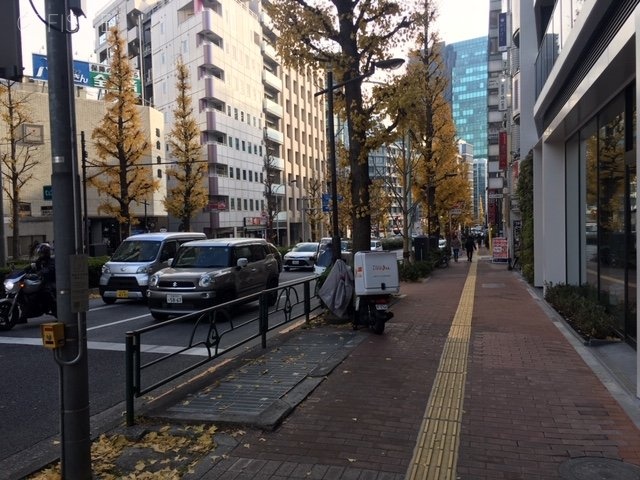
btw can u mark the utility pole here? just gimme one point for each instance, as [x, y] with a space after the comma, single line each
[71, 267]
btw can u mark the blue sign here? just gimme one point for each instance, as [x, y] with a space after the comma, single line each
[502, 31]
[326, 201]
[85, 74]
[47, 192]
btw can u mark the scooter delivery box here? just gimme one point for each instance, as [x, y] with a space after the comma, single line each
[376, 273]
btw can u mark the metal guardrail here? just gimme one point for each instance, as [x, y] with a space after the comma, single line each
[205, 337]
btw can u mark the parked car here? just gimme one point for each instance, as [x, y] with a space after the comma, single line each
[303, 255]
[205, 273]
[442, 243]
[376, 245]
[126, 274]
[325, 254]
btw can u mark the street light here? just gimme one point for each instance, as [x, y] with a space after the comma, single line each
[388, 64]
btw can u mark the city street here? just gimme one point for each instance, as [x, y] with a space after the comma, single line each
[29, 398]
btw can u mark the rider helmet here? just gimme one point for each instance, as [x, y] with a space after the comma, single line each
[43, 250]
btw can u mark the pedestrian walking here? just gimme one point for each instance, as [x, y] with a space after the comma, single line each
[456, 245]
[470, 246]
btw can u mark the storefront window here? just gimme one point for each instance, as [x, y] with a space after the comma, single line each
[607, 162]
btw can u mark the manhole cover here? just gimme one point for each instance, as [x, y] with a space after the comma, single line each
[598, 468]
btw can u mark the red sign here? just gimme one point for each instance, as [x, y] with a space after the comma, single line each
[502, 142]
[500, 248]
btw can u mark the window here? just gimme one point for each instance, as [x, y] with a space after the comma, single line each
[159, 173]
[251, 176]
[244, 176]
[232, 204]
[238, 173]
[243, 146]
[235, 113]
[231, 176]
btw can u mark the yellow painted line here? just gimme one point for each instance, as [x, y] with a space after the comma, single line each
[436, 452]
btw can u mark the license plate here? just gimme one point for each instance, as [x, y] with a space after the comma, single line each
[295, 262]
[382, 306]
[174, 298]
[122, 293]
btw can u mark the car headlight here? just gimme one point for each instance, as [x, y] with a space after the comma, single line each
[144, 269]
[153, 280]
[106, 269]
[205, 281]
[8, 285]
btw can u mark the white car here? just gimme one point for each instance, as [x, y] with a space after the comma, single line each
[376, 245]
[442, 243]
[303, 255]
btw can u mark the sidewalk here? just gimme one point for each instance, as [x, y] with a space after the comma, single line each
[474, 378]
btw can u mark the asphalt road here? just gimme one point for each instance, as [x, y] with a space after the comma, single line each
[29, 397]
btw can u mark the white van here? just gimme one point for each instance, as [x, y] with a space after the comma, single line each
[126, 274]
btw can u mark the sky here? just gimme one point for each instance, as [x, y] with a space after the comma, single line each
[457, 20]
[462, 19]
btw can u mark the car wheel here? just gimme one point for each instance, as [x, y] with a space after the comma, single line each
[286, 269]
[109, 300]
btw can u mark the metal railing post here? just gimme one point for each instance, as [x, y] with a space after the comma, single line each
[264, 318]
[129, 374]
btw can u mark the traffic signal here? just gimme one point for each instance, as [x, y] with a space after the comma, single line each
[11, 51]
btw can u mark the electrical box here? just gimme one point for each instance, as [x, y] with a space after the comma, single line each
[52, 334]
[376, 273]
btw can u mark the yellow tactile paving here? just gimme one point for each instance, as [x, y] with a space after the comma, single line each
[436, 452]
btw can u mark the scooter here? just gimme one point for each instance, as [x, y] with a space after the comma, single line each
[376, 281]
[25, 298]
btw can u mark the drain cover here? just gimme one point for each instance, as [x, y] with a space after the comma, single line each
[598, 468]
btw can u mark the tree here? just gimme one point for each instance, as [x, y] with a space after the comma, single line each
[315, 215]
[120, 144]
[348, 36]
[188, 195]
[18, 163]
[423, 149]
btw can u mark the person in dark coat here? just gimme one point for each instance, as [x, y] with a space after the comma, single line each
[470, 246]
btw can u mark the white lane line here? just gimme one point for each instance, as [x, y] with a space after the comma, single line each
[115, 347]
[130, 319]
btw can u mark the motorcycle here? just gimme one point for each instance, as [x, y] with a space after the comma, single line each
[376, 282]
[25, 298]
[372, 311]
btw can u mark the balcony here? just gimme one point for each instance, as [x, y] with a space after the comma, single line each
[274, 135]
[211, 23]
[271, 80]
[272, 108]
[269, 52]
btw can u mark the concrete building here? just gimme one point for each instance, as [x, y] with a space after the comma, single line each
[248, 106]
[36, 195]
[578, 67]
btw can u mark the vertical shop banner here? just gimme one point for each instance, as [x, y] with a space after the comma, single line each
[503, 32]
[502, 159]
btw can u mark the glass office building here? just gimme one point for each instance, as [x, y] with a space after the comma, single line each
[467, 64]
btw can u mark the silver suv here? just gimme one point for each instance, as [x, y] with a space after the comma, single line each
[126, 274]
[209, 272]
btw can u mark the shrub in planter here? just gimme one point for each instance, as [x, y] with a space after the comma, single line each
[579, 305]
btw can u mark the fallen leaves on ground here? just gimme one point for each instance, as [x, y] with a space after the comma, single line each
[189, 442]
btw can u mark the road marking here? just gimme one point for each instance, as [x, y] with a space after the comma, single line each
[436, 453]
[116, 347]
[130, 319]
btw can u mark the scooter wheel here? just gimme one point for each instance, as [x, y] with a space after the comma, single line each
[378, 325]
[7, 322]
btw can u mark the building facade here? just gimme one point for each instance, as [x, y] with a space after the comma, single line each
[467, 65]
[248, 107]
[579, 64]
[36, 195]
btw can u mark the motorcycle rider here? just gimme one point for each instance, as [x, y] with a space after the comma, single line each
[45, 267]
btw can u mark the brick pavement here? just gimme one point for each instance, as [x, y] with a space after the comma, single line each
[531, 403]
